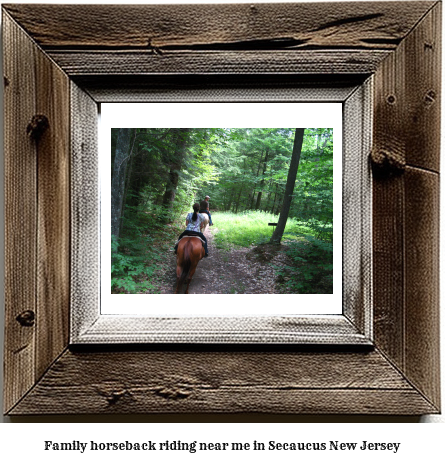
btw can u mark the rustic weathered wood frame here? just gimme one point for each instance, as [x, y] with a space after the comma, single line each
[75, 56]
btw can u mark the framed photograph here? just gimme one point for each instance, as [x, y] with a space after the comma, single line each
[72, 346]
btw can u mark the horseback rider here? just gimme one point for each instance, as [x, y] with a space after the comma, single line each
[194, 222]
[204, 207]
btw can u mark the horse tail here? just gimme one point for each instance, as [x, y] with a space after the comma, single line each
[186, 263]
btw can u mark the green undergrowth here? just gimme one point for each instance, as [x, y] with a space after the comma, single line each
[311, 269]
[308, 246]
[139, 255]
[251, 228]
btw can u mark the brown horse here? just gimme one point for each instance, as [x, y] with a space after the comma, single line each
[190, 251]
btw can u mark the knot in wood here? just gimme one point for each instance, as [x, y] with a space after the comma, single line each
[114, 397]
[386, 163]
[37, 126]
[113, 394]
[430, 97]
[26, 318]
[173, 393]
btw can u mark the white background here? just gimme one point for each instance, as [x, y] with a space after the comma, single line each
[219, 115]
[23, 441]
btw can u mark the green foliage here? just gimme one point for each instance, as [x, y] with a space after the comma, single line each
[251, 228]
[126, 270]
[244, 170]
[138, 254]
[311, 269]
[311, 272]
[254, 163]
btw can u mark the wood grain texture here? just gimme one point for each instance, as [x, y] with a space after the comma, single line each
[53, 226]
[219, 381]
[228, 39]
[388, 268]
[85, 210]
[159, 27]
[20, 213]
[79, 63]
[407, 133]
[219, 87]
[422, 364]
[37, 218]
[398, 42]
[112, 329]
[388, 201]
[423, 92]
[407, 113]
[357, 209]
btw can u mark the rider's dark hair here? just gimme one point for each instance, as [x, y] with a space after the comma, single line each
[195, 211]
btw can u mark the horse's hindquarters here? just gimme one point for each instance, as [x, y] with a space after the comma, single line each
[190, 251]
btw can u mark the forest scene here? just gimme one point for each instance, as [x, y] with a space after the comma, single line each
[271, 204]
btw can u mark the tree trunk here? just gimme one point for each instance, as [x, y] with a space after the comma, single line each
[172, 184]
[255, 183]
[128, 177]
[252, 199]
[290, 184]
[229, 204]
[121, 158]
[269, 196]
[175, 166]
[239, 197]
[260, 193]
[274, 199]
[258, 200]
[279, 204]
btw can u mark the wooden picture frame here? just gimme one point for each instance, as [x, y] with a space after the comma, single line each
[76, 56]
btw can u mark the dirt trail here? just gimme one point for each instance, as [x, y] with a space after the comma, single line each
[241, 271]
